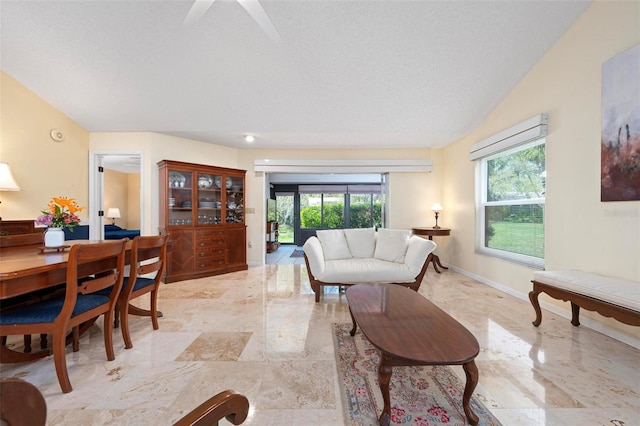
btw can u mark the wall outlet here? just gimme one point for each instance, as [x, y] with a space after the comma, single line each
[250, 210]
[250, 244]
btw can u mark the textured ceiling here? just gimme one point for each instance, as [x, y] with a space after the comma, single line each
[346, 74]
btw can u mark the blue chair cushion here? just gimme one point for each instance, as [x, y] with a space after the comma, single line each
[141, 283]
[47, 311]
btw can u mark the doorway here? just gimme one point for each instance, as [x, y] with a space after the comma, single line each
[123, 170]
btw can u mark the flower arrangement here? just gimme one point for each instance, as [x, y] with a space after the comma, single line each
[60, 214]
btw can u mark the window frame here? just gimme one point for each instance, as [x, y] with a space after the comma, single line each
[481, 204]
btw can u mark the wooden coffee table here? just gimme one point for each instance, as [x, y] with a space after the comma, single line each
[407, 329]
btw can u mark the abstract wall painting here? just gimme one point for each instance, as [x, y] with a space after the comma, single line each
[620, 138]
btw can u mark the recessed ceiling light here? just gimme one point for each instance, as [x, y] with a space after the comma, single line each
[249, 138]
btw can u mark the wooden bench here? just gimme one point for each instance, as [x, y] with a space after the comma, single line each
[610, 297]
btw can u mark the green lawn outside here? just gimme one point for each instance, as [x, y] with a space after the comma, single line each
[285, 234]
[509, 236]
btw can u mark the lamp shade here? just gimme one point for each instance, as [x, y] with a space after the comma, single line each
[113, 213]
[7, 182]
[436, 207]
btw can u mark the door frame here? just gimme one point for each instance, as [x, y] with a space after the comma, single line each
[96, 190]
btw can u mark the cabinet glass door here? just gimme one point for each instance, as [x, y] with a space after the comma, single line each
[180, 198]
[234, 187]
[209, 199]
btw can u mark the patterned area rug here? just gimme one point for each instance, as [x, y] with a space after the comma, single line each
[428, 395]
[297, 253]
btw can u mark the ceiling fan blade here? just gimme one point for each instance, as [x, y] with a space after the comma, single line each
[256, 11]
[197, 11]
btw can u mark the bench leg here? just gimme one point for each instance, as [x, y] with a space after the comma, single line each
[575, 314]
[533, 297]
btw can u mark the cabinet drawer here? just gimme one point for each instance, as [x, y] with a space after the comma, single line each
[209, 242]
[209, 263]
[207, 234]
[213, 253]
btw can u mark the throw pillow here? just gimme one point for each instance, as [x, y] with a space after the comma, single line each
[362, 242]
[334, 244]
[392, 245]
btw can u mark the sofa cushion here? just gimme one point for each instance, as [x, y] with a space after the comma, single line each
[391, 245]
[362, 242]
[334, 244]
[358, 270]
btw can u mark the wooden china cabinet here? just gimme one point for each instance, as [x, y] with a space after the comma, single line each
[202, 209]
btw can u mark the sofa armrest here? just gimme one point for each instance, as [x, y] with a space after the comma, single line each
[315, 256]
[417, 252]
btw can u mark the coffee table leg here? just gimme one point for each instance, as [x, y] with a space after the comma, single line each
[384, 376]
[355, 326]
[471, 371]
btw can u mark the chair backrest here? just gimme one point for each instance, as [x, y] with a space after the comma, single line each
[21, 403]
[93, 267]
[229, 405]
[148, 255]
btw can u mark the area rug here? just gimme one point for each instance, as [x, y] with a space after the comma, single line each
[426, 395]
[297, 253]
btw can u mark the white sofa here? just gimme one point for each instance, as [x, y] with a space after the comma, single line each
[340, 257]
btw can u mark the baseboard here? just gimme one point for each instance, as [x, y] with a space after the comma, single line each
[584, 321]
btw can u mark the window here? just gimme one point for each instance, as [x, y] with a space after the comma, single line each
[365, 211]
[340, 206]
[511, 204]
[322, 211]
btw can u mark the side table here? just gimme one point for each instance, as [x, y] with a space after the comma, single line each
[433, 232]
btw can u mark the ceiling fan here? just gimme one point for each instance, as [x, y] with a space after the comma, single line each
[253, 8]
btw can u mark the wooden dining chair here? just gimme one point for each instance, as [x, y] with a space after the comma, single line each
[21, 403]
[79, 304]
[148, 256]
[227, 404]
[31, 241]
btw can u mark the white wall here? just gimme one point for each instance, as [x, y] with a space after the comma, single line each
[157, 147]
[581, 232]
[42, 167]
[415, 190]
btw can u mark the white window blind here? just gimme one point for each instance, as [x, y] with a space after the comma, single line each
[527, 131]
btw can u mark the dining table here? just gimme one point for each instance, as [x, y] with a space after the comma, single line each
[28, 269]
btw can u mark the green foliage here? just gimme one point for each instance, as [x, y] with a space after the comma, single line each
[311, 217]
[334, 215]
[359, 216]
[517, 176]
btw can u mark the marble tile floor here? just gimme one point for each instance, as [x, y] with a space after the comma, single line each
[260, 333]
[282, 256]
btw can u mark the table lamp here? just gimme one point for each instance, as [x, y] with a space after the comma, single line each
[113, 213]
[436, 208]
[7, 182]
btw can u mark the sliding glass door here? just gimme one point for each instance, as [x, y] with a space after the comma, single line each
[285, 215]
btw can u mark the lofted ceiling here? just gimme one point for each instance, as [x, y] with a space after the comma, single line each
[343, 74]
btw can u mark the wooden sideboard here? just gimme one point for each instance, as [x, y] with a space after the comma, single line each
[18, 227]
